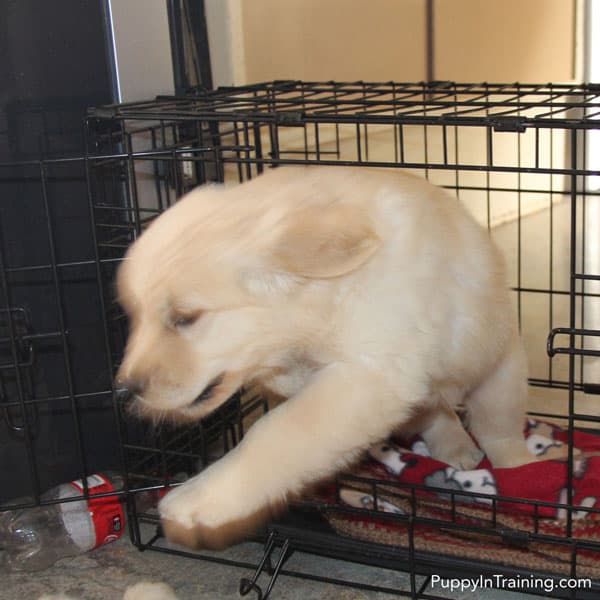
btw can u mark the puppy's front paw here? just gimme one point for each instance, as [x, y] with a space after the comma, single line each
[465, 459]
[199, 536]
[204, 514]
[462, 454]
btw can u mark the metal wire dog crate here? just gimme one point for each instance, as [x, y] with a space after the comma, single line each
[519, 157]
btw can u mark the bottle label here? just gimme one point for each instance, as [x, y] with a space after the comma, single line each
[106, 512]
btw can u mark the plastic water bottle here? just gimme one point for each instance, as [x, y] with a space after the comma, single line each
[35, 538]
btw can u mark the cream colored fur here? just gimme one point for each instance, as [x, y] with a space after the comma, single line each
[369, 298]
[140, 591]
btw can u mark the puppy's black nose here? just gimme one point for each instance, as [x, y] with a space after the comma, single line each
[126, 389]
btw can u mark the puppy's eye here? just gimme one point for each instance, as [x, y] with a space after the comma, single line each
[183, 321]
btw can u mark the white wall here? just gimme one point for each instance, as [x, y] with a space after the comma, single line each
[142, 48]
[591, 260]
[226, 41]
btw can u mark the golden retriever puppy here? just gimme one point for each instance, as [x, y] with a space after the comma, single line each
[368, 298]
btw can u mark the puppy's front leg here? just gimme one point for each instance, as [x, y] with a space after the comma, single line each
[341, 411]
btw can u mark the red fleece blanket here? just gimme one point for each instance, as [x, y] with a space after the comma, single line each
[545, 480]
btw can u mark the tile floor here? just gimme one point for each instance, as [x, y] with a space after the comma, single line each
[106, 572]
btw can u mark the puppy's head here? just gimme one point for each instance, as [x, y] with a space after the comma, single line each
[222, 285]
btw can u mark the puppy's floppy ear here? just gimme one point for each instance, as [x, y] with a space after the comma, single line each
[325, 242]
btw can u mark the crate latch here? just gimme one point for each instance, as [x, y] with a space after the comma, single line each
[290, 118]
[515, 537]
[514, 124]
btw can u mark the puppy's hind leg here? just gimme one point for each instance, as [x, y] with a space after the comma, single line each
[448, 441]
[496, 410]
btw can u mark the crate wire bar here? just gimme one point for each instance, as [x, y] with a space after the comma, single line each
[487, 143]
[515, 154]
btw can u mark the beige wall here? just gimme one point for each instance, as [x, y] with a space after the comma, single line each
[381, 40]
[347, 40]
[504, 40]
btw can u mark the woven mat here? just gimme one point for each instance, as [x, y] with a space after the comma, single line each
[481, 546]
